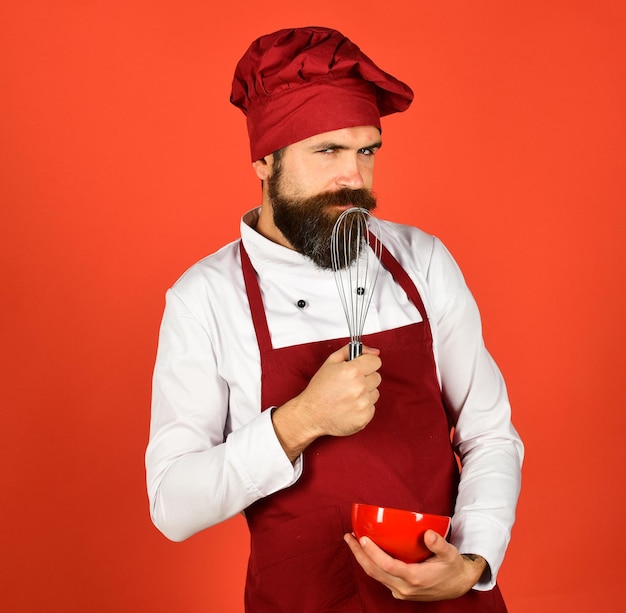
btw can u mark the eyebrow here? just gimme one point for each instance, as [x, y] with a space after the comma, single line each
[330, 145]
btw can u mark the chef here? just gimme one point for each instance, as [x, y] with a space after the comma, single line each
[256, 407]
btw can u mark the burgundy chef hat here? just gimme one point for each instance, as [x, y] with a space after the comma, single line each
[298, 82]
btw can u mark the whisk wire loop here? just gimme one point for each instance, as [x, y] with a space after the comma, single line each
[356, 262]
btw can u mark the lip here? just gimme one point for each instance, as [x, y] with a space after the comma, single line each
[343, 207]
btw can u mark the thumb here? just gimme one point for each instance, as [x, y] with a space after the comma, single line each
[341, 355]
[435, 542]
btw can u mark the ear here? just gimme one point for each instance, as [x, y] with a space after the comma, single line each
[263, 167]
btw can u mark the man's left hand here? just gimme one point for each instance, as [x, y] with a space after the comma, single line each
[443, 576]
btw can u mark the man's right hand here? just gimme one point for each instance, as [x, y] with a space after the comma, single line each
[338, 401]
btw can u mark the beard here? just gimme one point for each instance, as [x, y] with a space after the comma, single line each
[307, 223]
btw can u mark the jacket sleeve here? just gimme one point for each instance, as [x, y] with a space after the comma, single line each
[474, 392]
[199, 472]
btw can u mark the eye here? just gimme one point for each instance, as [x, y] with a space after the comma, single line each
[367, 151]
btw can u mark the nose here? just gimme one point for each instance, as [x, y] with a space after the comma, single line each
[350, 175]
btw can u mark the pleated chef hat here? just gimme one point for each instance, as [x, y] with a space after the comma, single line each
[298, 82]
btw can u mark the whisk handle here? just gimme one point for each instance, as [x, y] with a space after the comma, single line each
[356, 349]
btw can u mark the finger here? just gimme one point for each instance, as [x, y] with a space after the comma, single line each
[370, 350]
[371, 358]
[364, 560]
[382, 560]
[368, 364]
[372, 381]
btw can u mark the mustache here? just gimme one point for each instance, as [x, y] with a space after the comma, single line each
[361, 198]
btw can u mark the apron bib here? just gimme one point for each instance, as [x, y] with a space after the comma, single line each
[299, 562]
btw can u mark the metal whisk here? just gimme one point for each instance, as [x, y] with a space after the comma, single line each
[356, 268]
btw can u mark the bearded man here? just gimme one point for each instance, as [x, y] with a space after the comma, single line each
[256, 407]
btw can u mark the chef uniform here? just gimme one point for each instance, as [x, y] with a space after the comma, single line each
[403, 458]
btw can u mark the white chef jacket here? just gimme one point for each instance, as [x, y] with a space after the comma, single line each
[213, 452]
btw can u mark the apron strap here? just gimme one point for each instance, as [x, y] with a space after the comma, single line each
[256, 301]
[399, 274]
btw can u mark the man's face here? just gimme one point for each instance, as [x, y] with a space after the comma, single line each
[314, 180]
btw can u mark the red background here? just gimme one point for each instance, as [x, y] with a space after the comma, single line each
[122, 163]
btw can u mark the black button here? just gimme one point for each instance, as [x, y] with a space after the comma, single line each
[301, 304]
[360, 291]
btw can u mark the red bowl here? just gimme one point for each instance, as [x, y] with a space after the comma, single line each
[399, 533]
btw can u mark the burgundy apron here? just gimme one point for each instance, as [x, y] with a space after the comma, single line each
[299, 562]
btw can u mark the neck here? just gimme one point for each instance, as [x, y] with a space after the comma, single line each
[266, 227]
